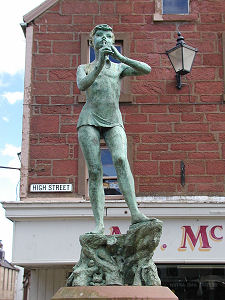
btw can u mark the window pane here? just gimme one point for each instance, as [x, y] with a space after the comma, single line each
[111, 186]
[92, 54]
[107, 164]
[175, 6]
[194, 282]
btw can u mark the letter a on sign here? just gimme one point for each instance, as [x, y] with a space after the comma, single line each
[191, 238]
[115, 230]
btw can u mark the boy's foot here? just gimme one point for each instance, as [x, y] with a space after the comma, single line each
[139, 217]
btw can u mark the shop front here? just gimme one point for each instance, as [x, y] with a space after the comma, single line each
[194, 281]
[190, 257]
[195, 248]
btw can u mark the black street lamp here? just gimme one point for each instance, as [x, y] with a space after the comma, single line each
[181, 58]
[19, 156]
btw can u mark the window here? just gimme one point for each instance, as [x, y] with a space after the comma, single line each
[194, 282]
[174, 10]
[123, 45]
[110, 183]
[175, 7]
[118, 46]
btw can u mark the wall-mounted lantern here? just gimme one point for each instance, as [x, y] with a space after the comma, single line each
[181, 58]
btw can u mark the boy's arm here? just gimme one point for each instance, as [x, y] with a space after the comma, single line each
[133, 67]
[84, 81]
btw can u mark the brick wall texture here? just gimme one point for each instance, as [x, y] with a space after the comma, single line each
[167, 125]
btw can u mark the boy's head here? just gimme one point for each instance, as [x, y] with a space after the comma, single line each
[104, 27]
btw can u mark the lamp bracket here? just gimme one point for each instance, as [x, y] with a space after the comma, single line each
[182, 173]
[179, 83]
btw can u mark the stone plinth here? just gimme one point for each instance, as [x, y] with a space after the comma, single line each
[115, 292]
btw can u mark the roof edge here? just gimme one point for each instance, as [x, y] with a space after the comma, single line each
[5, 264]
[36, 12]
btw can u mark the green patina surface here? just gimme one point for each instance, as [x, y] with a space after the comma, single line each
[119, 259]
[122, 259]
[101, 118]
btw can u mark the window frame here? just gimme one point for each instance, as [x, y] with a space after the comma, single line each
[158, 16]
[124, 38]
[104, 146]
[83, 171]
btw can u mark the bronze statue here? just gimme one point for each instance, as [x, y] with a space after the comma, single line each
[123, 259]
[101, 118]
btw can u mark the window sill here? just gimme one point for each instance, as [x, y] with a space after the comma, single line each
[157, 17]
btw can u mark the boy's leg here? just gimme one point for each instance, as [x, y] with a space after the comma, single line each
[116, 140]
[89, 140]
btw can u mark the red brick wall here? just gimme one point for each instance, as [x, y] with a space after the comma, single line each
[167, 125]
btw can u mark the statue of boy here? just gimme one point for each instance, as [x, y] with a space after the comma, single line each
[101, 118]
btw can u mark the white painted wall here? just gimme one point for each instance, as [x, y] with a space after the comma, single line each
[19, 284]
[46, 281]
[57, 241]
[46, 234]
[53, 242]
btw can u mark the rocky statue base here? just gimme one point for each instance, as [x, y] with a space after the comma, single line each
[120, 260]
[115, 292]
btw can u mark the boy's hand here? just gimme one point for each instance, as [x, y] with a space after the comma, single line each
[103, 52]
[116, 54]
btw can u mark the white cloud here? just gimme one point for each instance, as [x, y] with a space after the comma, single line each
[2, 83]
[12, 97]
[9, 181]
[5, 119]
[6, 230]
[9, 186]
[10, 150]
[12, 50]
[12, 61]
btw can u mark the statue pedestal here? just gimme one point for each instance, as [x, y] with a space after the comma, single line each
[119, 260]
[115, 292]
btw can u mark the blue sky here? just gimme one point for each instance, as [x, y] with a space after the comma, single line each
[12, 62]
